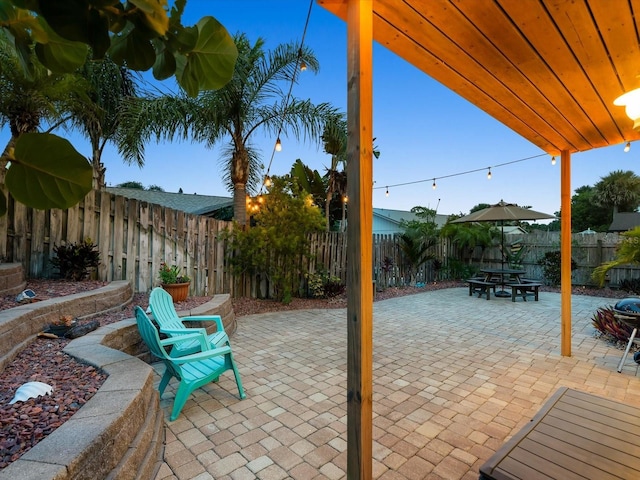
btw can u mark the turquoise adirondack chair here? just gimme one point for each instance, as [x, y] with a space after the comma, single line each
[164, 313]
[193, 371]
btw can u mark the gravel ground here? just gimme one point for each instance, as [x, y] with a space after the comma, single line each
[24, 424]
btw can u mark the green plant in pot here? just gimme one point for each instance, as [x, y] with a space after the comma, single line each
[174, 282]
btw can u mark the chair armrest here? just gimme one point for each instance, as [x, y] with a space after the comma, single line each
[182, 334]
[201, 337]
[205, 318]
[204, 355]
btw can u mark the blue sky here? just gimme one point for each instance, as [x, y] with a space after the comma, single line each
[422, 129]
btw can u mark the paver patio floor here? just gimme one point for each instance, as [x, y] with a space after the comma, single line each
[454, 377]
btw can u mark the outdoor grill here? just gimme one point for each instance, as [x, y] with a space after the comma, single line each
[627, 311]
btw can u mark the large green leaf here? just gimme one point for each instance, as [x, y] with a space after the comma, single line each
[165, 64]
[133, 49]
[47, 172]
[210, 65]
[59, 54]
[155, 14]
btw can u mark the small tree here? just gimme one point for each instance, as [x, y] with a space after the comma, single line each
[551, 267]
[418, 239]
[278, 242]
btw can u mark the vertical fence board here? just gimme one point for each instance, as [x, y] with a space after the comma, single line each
[118, 239]
[104, 240]
[143, 247]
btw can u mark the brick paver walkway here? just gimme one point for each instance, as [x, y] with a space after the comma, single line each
[454, 377]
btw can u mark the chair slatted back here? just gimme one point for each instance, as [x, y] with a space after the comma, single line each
[164, 312]
[150, 337]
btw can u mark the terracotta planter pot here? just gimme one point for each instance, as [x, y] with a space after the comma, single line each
[178, 291]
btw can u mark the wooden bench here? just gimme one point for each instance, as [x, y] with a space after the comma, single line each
[481, 287]
[574, 435]
[524, 289]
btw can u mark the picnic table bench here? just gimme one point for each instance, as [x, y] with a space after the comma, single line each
[523, 289]
[481, 287]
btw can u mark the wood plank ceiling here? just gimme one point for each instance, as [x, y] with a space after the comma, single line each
[548, 69]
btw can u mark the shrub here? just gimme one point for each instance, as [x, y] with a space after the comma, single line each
[321, 285]
[604, 321]
[550, 263]
[630, 285]
[74, 260]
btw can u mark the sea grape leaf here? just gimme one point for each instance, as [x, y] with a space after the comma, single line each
[47, 172]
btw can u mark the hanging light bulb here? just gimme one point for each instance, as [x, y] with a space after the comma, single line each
[278, 145]
[387, 194]
[303, 66]
[553, 160]
[434, 184]
[267, 181]
[627, 147]
[489, 174]
[345, 199]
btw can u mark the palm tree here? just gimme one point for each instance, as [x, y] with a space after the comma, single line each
[28, 100]
[334, 138]
[254, 100]
[99, 118]
[620, 190]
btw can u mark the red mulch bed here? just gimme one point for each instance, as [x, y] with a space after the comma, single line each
[24, 424]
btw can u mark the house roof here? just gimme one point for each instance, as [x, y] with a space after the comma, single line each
[397, 216]
[186, 202]
[623, 221]
[549, 70]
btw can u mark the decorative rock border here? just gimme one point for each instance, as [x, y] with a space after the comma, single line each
[119, 433]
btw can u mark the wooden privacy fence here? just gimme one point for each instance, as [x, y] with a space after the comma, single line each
[135, 237]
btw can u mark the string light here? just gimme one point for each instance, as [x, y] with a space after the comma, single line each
[434, 184]
[301, 64]
[267, 181]
[458, 174]
[345, 199]
[387, 194]
[553, 160]
[627, 147]
[489, 174]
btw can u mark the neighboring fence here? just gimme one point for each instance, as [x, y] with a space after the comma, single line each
[134, 237]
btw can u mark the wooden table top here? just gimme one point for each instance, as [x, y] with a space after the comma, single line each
[575, 435]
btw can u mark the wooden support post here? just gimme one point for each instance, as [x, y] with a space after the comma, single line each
[359, 240]
[565, 253]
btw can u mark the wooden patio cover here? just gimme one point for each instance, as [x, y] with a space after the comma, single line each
[548, 69]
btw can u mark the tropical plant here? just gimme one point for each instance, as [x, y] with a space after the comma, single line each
[171, 274]
[60, 33]
[627, 252]
[278, 242]
[416, 250]
[551, 267]
[605, 321]
[468, 236]
[74, 260]
[253, 101]
[619, 190]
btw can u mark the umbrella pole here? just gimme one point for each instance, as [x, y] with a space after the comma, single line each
[503, 292]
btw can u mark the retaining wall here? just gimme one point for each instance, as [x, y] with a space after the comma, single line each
[119, 432]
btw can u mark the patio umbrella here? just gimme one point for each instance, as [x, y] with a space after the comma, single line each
[501, 212]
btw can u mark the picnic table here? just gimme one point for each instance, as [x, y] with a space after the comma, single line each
[502, 276]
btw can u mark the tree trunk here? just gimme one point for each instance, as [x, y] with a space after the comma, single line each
[240, 203]
[326, 210]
